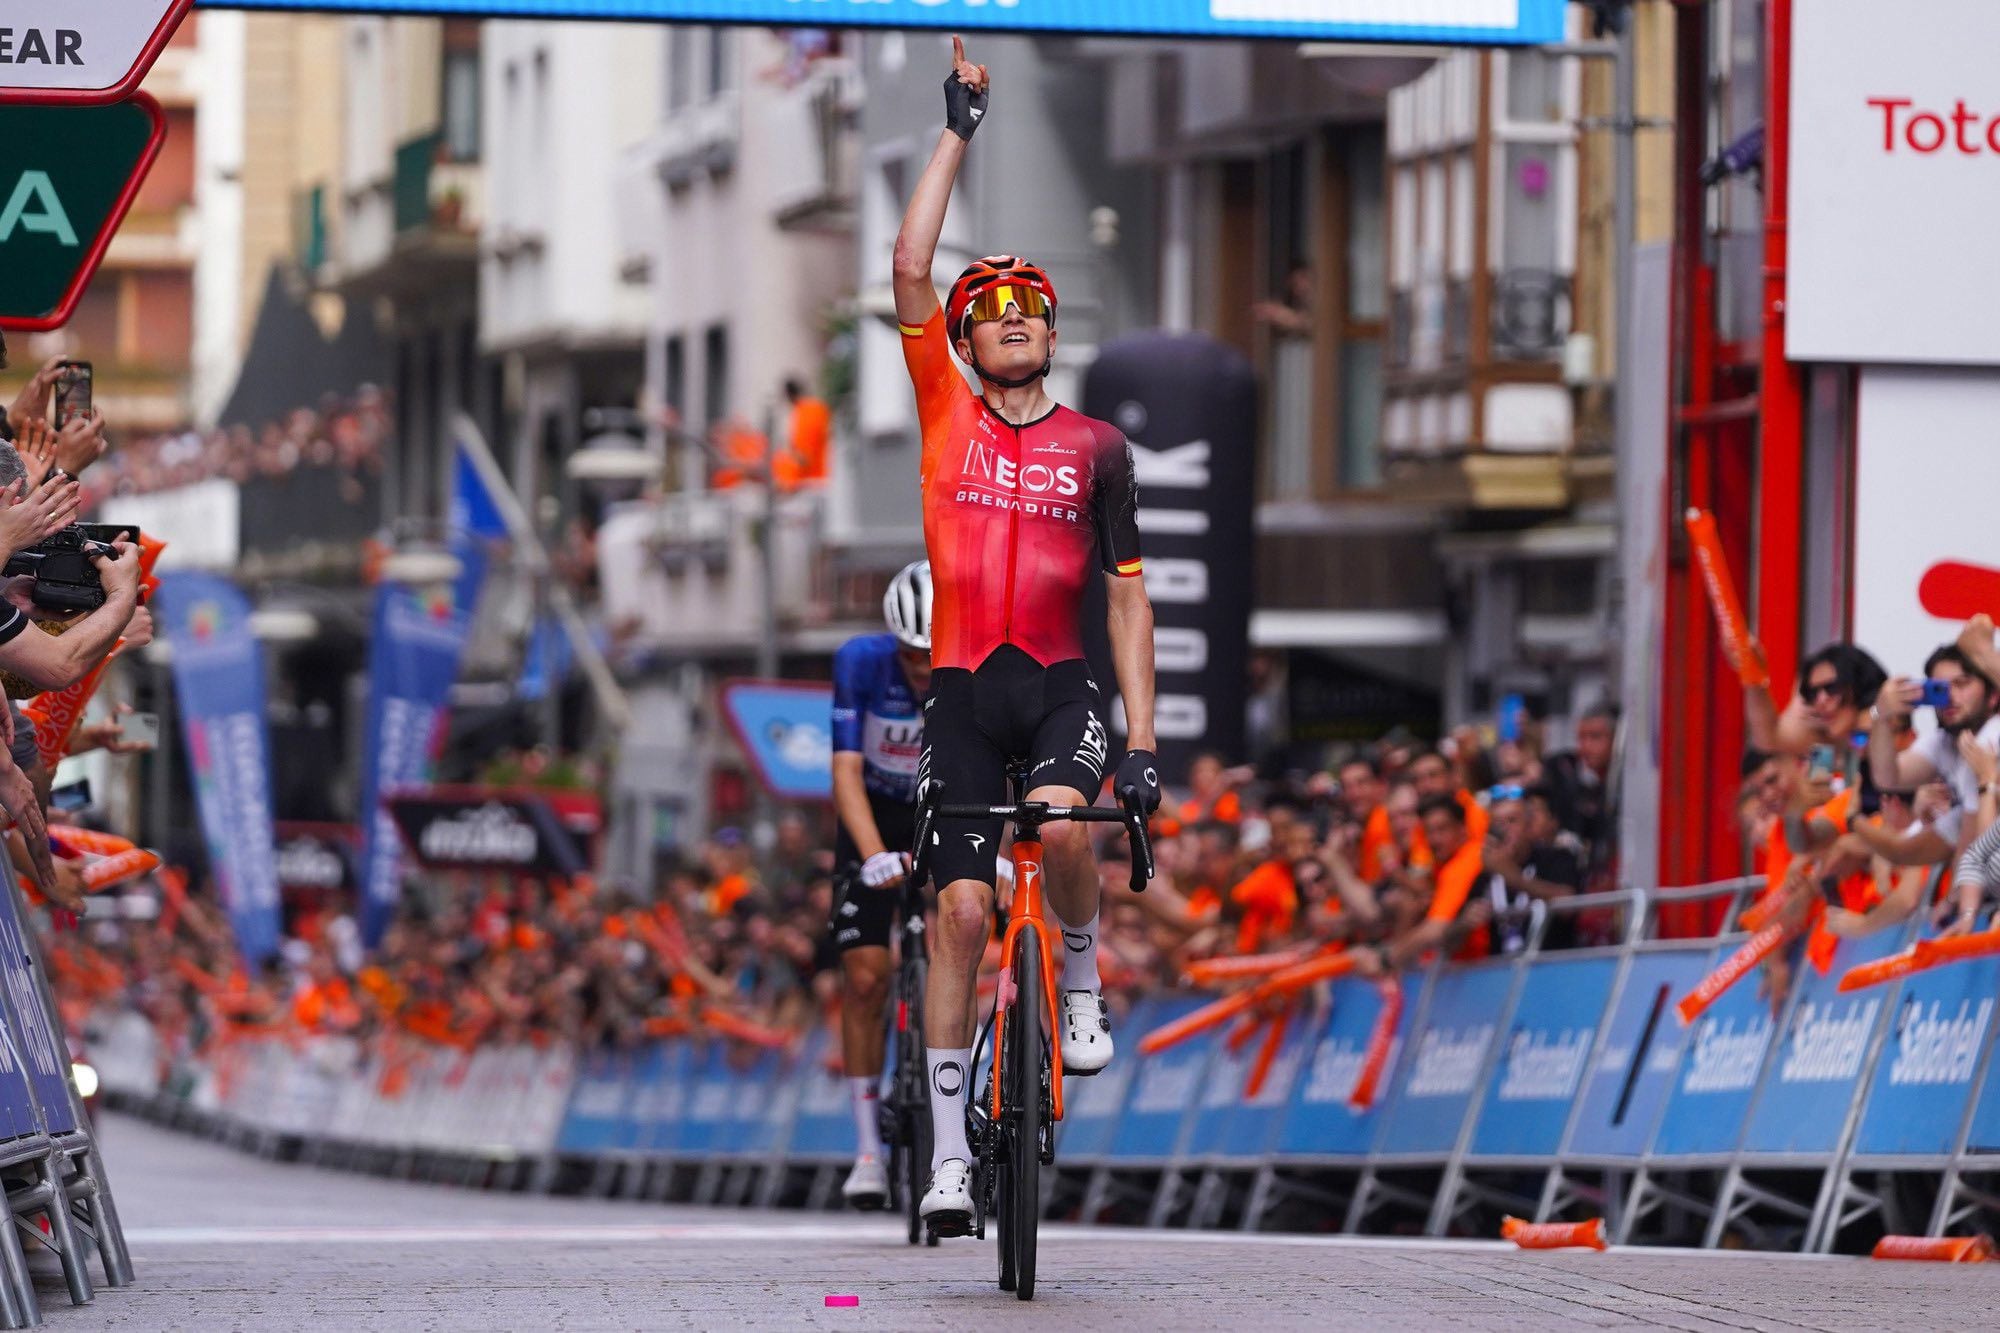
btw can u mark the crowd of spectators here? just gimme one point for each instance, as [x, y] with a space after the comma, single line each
[1869, 798]
[733, 937]
[345, 434]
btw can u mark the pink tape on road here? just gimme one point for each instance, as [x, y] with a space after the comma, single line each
[843, 1300]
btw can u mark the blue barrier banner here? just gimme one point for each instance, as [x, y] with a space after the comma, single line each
[1547, 1047]
[598, 1104]
[1165, 1089]
[44, 1054]
[1221, 1092]
[1318, 1122]
[1428, 1109]
[658, 1097]
[711, 1102]
[752, 1128]
[1510, 22]
[1632, 1073]
[1942, 1022]
[1091, 1106]
[1817, 1073]
[1718, 1075]
[218, 670]
[17, 1098]
[1254, 1125]
[824, 1126]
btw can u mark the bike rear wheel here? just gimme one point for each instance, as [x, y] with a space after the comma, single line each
[1023, 1093]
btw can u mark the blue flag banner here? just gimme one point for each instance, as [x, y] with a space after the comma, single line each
[219, 684]
[411, 665]
[413, 659]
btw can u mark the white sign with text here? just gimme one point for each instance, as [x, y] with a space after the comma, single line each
[1895, 182]
[87, 49]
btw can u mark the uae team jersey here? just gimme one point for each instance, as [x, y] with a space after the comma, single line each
[1015, 517]
[875, 713]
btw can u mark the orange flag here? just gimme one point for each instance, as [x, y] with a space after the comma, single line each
[1742, 650]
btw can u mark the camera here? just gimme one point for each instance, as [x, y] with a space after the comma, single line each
[65, 578]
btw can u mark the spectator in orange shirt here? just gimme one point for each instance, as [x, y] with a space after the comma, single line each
[1211, 791]
[1454, 911]
[810, 428]
[1433, 775]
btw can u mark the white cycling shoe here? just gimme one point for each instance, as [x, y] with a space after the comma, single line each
[867, 1186]
[1086, 1032]
[947, 1205]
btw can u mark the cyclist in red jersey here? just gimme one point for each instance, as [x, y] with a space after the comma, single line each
[1022, 497]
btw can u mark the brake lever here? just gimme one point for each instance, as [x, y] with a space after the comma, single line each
[1142, 845]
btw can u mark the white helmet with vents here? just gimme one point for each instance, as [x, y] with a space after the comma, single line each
[907, 605]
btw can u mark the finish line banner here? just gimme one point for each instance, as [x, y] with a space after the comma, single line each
[1484, 22]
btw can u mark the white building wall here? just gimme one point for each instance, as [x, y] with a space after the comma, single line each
[563, 101]
[217, 220]
[719, 164]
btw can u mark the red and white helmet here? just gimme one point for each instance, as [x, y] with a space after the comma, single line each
[1005, 279]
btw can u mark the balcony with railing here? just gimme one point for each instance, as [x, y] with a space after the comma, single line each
[683, 574]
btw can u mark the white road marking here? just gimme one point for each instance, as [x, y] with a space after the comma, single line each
[733, 1232]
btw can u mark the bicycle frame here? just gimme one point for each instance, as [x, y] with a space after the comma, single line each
[1027, 909]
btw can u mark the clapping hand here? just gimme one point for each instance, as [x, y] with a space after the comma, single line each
[27, 516]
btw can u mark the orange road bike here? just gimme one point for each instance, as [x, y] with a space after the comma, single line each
[1014, 1131]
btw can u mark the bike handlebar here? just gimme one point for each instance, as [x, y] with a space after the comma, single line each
[1034, 814]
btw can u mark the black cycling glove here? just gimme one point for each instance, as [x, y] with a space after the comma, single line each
[963, 108]
[1139, 771]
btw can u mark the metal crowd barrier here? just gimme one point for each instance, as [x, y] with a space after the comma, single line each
[1556, 1082]
[57, 1191]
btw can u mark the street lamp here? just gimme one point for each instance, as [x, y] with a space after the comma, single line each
[614, 457]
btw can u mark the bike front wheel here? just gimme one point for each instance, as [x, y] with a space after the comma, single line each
[1026, 1050]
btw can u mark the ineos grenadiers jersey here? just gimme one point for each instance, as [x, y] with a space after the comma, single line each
[1014, 516]
[875, 712]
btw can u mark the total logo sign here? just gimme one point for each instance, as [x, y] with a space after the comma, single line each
[1895, 128]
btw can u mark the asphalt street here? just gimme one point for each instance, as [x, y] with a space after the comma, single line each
[226, 1241]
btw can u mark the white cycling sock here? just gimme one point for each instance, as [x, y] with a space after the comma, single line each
[950, 1072]
[1079, 960]
[865, 1097]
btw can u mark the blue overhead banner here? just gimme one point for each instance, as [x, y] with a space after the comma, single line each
[1497, 22]
[219, 682]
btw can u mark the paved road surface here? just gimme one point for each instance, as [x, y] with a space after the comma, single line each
[225, 1241]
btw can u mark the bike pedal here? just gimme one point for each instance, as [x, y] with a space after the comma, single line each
[868, 1203]
[947, 1225]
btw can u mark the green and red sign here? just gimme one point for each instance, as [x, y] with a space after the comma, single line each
[67, 176]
